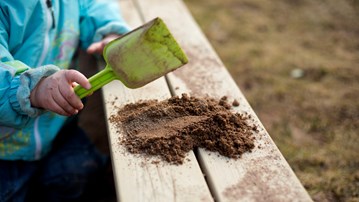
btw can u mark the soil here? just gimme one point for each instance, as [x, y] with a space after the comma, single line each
[173, 127]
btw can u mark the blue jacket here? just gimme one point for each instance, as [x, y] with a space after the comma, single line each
[36, 40]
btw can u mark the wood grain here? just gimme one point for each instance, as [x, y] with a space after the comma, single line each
[137, 178]
[262, 175]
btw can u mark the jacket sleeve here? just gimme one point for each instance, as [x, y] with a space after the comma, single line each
[15, 87]
[98, 19]
[17, 81]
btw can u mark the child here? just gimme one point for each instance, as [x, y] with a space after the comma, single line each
[42, 150]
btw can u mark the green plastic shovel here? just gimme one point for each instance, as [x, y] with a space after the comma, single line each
[137, 58]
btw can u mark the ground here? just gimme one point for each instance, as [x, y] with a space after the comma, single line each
[297, 63]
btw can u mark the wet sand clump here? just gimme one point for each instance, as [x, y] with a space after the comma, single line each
[171, 128]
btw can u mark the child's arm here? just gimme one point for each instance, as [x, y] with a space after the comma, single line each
[17, 81]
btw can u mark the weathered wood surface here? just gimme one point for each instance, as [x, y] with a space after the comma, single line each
[136, 178]
[262, 175]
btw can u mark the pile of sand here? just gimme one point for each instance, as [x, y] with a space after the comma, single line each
[173, 127]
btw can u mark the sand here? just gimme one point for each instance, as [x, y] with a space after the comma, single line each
[171, 128]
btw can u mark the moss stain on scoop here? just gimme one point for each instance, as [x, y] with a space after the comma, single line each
[139, 57]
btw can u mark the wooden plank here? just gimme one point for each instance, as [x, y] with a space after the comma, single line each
[264, 174]
[136, 178]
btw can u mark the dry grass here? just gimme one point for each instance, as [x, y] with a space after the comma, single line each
[297, 62]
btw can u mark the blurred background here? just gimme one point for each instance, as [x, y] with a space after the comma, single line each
[297, 63]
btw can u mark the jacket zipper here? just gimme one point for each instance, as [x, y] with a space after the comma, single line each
[49, 6]
[50, 22]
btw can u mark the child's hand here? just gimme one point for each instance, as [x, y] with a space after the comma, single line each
[55, 93]
[99, 46]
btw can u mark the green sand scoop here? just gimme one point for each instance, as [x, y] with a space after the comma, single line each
[137, 58]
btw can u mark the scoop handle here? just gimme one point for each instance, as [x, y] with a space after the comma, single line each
[98, 80]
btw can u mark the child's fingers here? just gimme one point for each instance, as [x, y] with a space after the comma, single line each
[67, 91]
[95, 48]
[72, 76]
[67, 100]
[110, 38]
[98, 47]
[61, 106]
